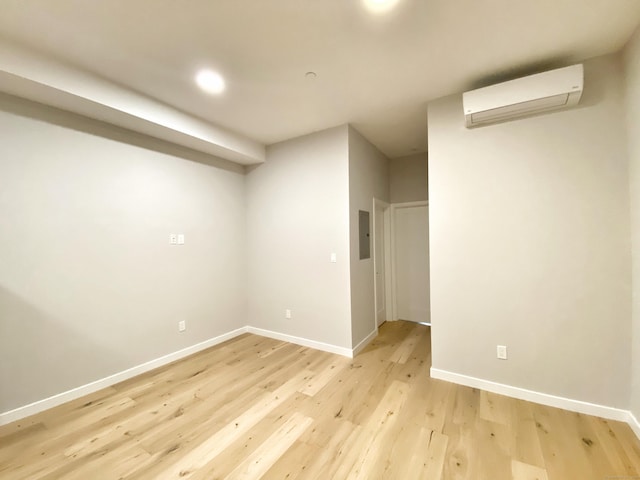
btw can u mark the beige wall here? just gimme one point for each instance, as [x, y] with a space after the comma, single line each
[89, 285]
[530, 245]
[632, 70]
[297, 215]
[368, 179]
[408, 179]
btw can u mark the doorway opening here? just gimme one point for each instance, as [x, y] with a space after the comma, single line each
[410, 262]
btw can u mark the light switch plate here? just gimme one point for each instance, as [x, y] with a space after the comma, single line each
[501, 352]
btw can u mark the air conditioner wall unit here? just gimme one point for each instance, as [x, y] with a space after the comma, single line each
[525, 96]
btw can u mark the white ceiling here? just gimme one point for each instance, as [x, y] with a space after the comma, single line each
[376, 72]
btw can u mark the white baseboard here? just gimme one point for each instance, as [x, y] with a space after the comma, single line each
[305, 342]
[358, 348]
[634, 424]
[60, 398]
[523, 394]
[532, 396]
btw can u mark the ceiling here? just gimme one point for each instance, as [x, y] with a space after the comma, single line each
[376, 72]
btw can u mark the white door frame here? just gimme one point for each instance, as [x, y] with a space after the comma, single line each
[384, 206]
[394, 208]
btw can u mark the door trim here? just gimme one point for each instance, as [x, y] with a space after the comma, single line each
[384, 206]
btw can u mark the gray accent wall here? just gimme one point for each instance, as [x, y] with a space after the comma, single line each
[530, 245]
[89, 284]
[297, 215]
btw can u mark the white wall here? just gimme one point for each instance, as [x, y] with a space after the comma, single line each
[368, 179]
[632, 70]
[89, 285]
[408, 179]
[297, 215]
[530, 245]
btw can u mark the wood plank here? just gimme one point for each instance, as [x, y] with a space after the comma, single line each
[213, 446]
[262, 458]
[406, 348]
[496, 408]
[317, 382]
[525, 435]
[525, 471]
[377, 428]
[613, 449]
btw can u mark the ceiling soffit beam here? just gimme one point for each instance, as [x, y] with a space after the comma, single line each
[35, 77]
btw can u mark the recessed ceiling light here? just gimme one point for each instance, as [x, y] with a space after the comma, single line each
[379, 6]
[210, 81]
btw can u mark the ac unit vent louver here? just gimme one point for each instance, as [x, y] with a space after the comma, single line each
[525, 96]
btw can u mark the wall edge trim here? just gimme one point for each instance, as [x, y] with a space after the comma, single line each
[362, 345]
[634, 424]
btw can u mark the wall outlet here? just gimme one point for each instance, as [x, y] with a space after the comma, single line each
[182, 325]
[501, 352]
[334, 258]
[173, 239]
[181, 239]
[287, 313]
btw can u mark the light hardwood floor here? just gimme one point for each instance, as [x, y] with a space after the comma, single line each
[259, 408]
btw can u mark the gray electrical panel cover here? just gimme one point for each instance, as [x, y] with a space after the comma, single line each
[365, 236]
